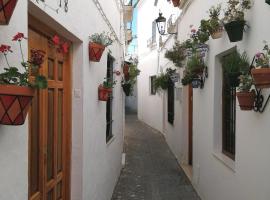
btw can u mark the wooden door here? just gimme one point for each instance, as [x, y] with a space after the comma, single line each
[190, 125]
[50, 125]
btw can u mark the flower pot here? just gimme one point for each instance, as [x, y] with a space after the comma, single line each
[198, 71]
[95, 51]
[104, 93]
[233, 79]
[246, 100]
[176, 3]
[126, 71]
[235, 30]
[218, 34]
[14, 104]
[127, 89]
[261, 77]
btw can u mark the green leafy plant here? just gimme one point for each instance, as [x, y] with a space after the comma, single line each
[134, 72]
[235, 10]
[108, 83]
[236, 63]
[177, 54]
[195, 64]
[161, 82]
[101, 38]
[246, 83]
[188, 78]
[12, 75]
[213, 24]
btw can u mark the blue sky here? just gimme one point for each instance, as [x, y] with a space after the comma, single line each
[133, 45]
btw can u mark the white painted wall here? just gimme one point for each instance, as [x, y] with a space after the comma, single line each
[215, 176]
[95, 164]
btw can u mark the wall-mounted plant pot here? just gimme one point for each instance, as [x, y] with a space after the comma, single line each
[95, 51]
[218, 34]
[6, 10]
[176, 3]
[235, 30]
[246, 100]
[127, 89]
[198, 71]
[233, 79]
[261, 77]
[14, 104]
[104, 93]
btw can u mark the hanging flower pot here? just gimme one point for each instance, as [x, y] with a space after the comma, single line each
[104, 93]
[261, 77]
[6, 10]
[14, 104]
[127, 89]
[246, 100]
[235, 30]
[176, 3]
[217, 34]
[95, 51]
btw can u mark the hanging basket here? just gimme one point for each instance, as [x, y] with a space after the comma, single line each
[14, 104]
[176, 3]
[246, 100]
[233, 79]
[261, 77]
[127, 89]
[95, 51]
[217, 34]
[6, 10]
[104, 93]
[235, 30]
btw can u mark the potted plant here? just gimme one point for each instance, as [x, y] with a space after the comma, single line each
[16, 87]
[105, 89]
[177, 54]
[196, 65]
[176, 3]
[128, 85]
[234, 19]
[98, 43]
[188, 78]
[126, 71]
[261, 73]
[162, 81]
[234, 65]
[246, 96]
[213, 25]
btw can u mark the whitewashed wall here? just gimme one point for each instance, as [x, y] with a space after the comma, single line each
[95, 164]
[215, 176]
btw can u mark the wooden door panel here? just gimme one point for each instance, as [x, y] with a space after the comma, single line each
[50, 112]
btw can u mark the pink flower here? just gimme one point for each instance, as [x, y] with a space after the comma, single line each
[193, 30]
[258, 55]
[56, 40]
[18, 37]
[65, 47]
[5, 48]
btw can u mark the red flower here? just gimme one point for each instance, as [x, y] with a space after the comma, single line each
[65, 47]
[37, 57]
[5, 48]
[56, 40]
[118, 73]
[18, 37]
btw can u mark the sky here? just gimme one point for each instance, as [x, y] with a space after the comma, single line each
[133, 45]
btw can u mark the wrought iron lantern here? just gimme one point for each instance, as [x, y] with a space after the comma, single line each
[6, 10]
[161, 25]
[267, 1]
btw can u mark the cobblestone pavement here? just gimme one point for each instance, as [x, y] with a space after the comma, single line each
[151, 171]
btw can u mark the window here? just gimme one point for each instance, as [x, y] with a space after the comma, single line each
[170, 101]
[228, 121]
[109, 120]
[153, 90]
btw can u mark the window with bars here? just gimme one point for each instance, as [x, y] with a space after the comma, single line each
[229, 119]
[153, 89]
[109, 120]
[170, 101]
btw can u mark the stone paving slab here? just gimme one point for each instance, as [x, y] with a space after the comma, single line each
[151, 171]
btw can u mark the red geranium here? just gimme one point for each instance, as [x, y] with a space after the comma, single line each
[5, 48]
[56, 40]
[37, 57]
[18, 37]
[65, 47]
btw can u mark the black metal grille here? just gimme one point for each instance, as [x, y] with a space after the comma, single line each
[109, 120]
[229, 119]
[170, 102]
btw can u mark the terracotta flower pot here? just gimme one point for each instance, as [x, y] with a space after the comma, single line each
[176, 3]
[246, 100]
[126, 72]
[261, 77]
[95, 51]
[235, 30]
[218, 34]
[14, 104]
[104, 93]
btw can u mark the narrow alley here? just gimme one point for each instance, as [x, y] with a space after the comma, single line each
[151, 171]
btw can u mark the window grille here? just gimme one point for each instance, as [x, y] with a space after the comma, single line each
[170, 101]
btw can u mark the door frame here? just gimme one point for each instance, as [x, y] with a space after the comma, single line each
[44, 30]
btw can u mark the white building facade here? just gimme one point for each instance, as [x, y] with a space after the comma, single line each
[195, 137]
[94, 160]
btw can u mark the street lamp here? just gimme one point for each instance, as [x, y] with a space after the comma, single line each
[6, 10]
[161, 25]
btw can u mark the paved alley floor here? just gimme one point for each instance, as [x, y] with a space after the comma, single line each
[151, 171]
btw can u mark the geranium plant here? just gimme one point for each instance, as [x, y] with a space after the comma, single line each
[105, 89]
[234, 18]
[177, 54]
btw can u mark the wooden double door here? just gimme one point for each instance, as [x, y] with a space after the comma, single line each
[50, 124]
